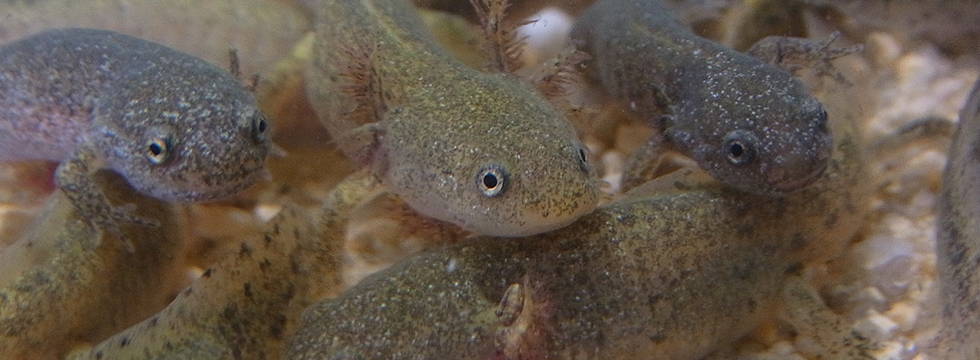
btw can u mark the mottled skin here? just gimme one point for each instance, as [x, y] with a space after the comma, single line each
[479, 150]
[57, 291]
[958, 238]
[680, 267]
[176, 127]
[748, 123]
[834, 335]
[248, 304]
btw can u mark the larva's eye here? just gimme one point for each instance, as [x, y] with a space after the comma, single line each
[158, 149]
[583, 160]
[159, 145]
[739, 147]
[260, 127]
[492, 180]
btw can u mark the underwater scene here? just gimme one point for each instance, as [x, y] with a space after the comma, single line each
[489, 179]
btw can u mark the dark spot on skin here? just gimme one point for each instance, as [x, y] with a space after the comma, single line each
[798, 241]
[188, 292]
[246, 250]
[957, 254]
[229, 313]
[124, 342]
[830, 220]
[657, 338]
[972, 306]
[741, 208]
[248, 290]
[207, 273]
[742, 271]
[289, 293]
[154, 320]
[746, 228]
[265, 264]
[277, 327]
[275, 229]
[794, 269]
[99, 355]
[654, 299]
[268, 239]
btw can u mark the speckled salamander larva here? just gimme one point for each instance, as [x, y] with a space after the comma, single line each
[750, 124]
[176, 127]
[675, 269]
[480, 150]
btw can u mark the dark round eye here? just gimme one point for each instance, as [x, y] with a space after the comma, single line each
[739, 147]
[583, 160]
[259, 127]
[158, 150]
[492, 180]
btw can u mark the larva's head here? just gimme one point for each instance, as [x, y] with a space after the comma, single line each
[499, 161]
[183, 130]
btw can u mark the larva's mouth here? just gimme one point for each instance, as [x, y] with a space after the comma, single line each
[211, 187]
[795, 183]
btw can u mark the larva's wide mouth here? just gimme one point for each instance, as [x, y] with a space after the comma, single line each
[787, 183]
[798, 183]
[204, 186]
[533, 226]
[533, 220]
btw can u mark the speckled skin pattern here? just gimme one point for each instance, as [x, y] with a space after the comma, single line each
[248, 305]
[642, 278]
[958, 240]
[57, 289]
[704, 98]
[438, 124]
[95, 98]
